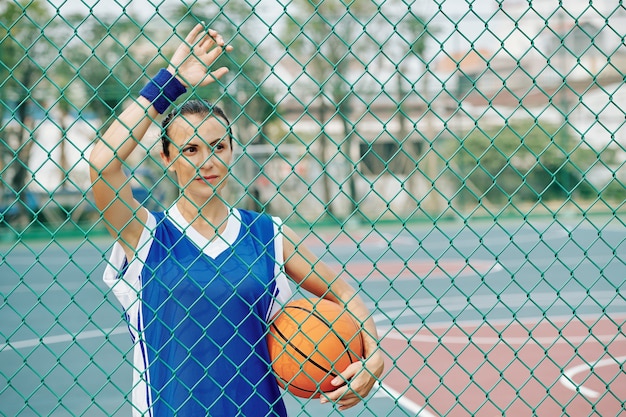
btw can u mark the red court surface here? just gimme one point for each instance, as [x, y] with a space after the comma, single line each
[548, 368]
[394, 270]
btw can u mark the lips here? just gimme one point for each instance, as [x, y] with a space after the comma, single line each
[208, 178]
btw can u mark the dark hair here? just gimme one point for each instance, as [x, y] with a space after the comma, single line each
[192, 107]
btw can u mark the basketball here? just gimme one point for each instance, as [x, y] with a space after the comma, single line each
[310, 342]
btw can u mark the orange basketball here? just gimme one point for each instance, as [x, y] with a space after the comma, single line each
[310, 342]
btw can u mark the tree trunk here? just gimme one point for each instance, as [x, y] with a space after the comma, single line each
[324, 158]
[21, 172]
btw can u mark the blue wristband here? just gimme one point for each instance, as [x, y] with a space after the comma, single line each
[163, 90]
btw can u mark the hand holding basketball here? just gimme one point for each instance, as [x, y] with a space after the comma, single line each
[361, 377]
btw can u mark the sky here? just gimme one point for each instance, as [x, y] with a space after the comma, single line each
[467, 15]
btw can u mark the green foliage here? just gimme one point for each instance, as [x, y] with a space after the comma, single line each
[24, 50]
[521, 161]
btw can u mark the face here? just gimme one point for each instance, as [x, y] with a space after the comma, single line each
[200, 154]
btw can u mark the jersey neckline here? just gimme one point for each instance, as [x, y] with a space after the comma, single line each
[216, 246]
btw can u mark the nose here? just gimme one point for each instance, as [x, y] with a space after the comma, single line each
[208, 159]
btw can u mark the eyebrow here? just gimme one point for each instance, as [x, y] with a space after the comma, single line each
[202, 140]
[216, 141]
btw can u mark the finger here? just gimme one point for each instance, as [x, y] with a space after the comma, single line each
[219, 73]
[213, 54]
[344, 407]
[208, 40]
[334, 396]
[219, 40]
[191, 37]
[345, 401]
[348, 399]
[214, 39]
[347, 374]
[214, 76]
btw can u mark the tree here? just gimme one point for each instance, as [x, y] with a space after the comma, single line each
[26, 38]
[73, 64]
[337, 44]
[403, 47]
[400, 36]
[519, 162]
[107, 55]
[318, 36]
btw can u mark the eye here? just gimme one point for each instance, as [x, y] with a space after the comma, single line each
[191, 149]
[218, 145]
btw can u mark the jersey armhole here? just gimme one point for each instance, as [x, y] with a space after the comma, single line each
[123, 277]
[283, 291]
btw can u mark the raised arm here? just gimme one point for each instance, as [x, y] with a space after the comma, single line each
[189, 67]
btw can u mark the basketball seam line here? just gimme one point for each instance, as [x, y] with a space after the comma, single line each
[330, 326]
[301, 353]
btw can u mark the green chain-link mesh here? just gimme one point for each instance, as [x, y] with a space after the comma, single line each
[460, 162]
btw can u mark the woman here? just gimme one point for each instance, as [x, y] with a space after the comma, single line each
[199, 281]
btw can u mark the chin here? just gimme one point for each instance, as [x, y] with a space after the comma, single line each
[203, 195]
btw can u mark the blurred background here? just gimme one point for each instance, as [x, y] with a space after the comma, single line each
[460, 162]
[367, 110]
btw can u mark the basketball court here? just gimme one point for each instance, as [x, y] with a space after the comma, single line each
[474, 319]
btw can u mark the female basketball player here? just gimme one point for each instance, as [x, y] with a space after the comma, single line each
[199, 281]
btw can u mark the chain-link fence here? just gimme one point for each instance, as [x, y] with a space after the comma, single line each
[460, 163]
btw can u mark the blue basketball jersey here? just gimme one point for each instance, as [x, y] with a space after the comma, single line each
[198, 312]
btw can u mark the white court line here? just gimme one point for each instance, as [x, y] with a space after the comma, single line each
[397, 309]
[568, 376]
[48, 340]
[420, 411]
[402, 401]
[381, 389]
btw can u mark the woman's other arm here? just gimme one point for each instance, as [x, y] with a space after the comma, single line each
[319, 279]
